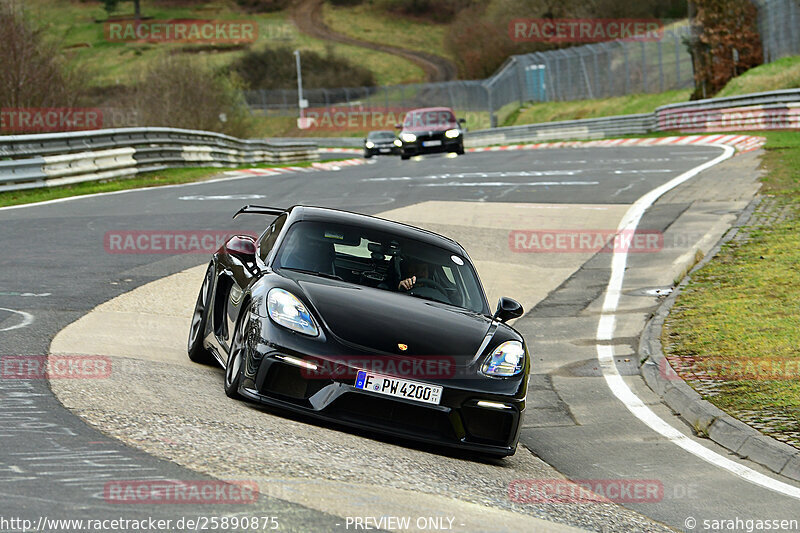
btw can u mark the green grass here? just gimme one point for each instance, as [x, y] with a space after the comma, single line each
[74, 26]
[171, 176]
[742, 307]
[369, 22]
[619, 105]
[781, 74]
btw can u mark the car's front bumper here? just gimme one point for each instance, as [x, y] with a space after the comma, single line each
[391, 149]
[447, 145]
[457, 421]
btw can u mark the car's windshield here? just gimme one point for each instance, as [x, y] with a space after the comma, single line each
[382, 260]
[381, 136]
[429, 119]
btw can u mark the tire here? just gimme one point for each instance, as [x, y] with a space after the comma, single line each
[197, 352]
[460, 150]
[404, 156]
[233, 370]
[367, 156]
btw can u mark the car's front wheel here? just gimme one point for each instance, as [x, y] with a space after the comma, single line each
[197, 352]
[233, 370]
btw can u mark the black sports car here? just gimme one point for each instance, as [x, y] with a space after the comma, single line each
[382, 142]
[431, 130]
[366, 322]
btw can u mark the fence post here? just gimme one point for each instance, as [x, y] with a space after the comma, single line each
[644, 67]
[678, 43]
[586, 77]
[627, 68]
[660, 66]
[492, 117]
[520, 80]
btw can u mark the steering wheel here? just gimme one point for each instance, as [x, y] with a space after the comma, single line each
[428, 282]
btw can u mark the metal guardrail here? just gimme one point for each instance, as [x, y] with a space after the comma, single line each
[594, 128]
[785, 96]
[47, 160]
[62, 158]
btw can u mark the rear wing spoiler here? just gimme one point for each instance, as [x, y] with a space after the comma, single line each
[259, 210]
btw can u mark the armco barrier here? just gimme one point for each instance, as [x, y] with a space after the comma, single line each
[28, 161]
[759, 111]
[594, 128]
[776, 110]
[47, 160]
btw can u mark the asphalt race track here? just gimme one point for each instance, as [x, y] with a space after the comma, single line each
[157, 417]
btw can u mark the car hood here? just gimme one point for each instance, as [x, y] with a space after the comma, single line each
[378, 320]
[430, 129]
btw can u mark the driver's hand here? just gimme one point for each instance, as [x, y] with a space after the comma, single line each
[407, 283]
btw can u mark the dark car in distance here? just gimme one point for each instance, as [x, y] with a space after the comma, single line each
[382, 142]
[431, 130]
[364, 322]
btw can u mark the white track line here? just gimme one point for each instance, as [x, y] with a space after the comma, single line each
[27, 319]
[605, 352]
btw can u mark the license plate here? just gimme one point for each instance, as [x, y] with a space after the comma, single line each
[385, 150]
[431, 143]
[398, 388]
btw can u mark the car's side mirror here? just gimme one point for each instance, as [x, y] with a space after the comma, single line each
[398, 126]
[462, 121]
[242, 246]
[507, 309]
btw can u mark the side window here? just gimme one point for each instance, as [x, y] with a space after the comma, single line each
[267, 241]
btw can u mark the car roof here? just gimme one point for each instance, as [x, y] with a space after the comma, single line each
[426, 109]
[326, 214]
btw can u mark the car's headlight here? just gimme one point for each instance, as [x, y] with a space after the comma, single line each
[452, 134]
[286, 310]
[398, 142]
[369, 144]
[506, 360]
[408, 137]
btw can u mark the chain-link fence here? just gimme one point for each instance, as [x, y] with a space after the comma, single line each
[462, 95]
[600, 70]
[779, 26]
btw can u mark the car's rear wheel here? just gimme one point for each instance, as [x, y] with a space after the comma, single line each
[197, 352]
[233, 370]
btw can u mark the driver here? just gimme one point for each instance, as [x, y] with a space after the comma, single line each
[412, 269]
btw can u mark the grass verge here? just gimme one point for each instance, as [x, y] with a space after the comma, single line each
[369, 22]
[737, 322]
[781, 74]
[78, 27]
[607, 107]
[172, 176]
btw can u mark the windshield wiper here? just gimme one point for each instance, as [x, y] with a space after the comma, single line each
[314, 273]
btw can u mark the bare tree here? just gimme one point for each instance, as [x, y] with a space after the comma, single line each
[34, 71]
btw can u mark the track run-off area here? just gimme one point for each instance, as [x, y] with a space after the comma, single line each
[530, 220]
